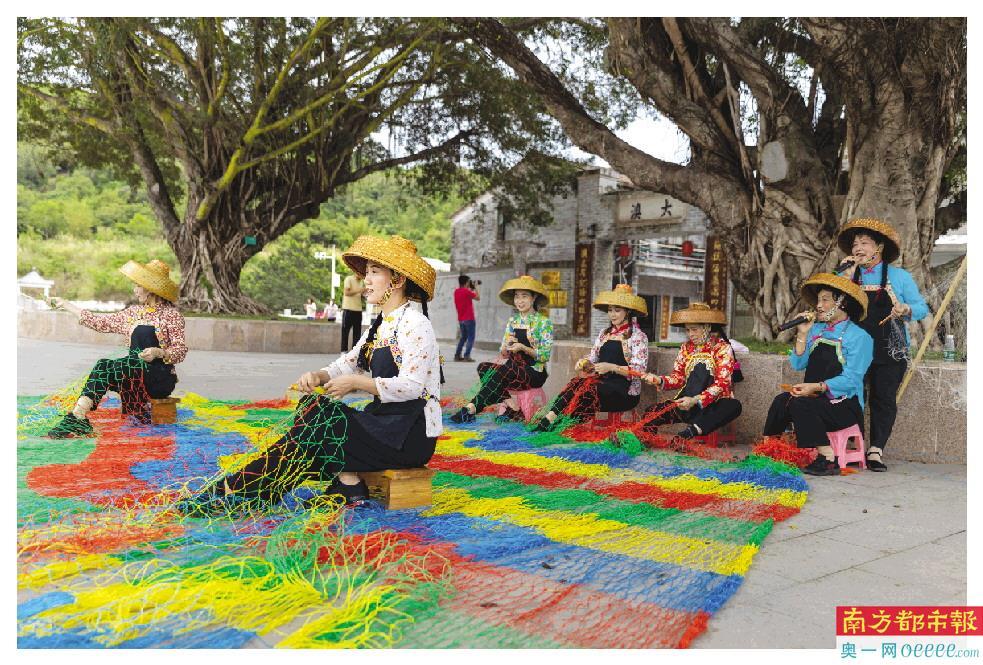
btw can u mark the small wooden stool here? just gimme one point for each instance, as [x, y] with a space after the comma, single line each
[400, 488]
[164, 411]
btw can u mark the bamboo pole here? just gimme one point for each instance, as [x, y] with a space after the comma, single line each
[935, 324]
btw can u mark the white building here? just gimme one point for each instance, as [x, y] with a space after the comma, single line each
[653, 241]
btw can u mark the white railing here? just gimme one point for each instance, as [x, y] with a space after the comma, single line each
[670, 256]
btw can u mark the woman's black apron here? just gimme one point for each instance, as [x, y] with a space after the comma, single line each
[536, 378]
[158, 377]
[613, 388]
[879, 306]
[390, 423]
[823, 365]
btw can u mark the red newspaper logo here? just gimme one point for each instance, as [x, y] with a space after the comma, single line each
[929, 620]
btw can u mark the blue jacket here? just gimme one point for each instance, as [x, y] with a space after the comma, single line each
[855, 350]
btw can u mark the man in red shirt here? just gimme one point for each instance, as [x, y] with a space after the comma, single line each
[464, 296]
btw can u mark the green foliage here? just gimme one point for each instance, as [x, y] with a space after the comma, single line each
[85, 268]
[760, 346]
[77, 226]
[286, 272]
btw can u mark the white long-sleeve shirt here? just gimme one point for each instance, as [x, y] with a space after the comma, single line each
[411, 339]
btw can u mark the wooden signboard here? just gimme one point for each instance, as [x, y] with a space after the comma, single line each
[715, 275]
[582, 273]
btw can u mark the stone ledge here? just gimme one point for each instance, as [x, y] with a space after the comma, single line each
[201, 333]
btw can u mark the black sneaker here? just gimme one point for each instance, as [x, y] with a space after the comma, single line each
[467, 359]
[71, 427]
[875, 465]
[822, 467]
[457, 359]
[509, 416]
[353, 494]
[463, 416]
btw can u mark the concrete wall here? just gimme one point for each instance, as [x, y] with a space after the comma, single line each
[201, 333]
[931, 425]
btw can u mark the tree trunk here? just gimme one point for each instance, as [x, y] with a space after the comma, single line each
[211, 265]
[896, 174]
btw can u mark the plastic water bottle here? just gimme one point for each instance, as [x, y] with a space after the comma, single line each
[949, 349]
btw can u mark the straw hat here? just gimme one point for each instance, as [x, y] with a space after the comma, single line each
[396, 253]
[525, 283]
[892, 242]
[810, 290]
[155, 277]
[621, 296]
[698, 313]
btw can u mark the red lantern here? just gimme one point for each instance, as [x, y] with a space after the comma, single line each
[687, 248]
[624, 250]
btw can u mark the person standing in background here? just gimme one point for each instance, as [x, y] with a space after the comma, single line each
[330, 311]
[311, 308]
[351, 310]
[464, 296]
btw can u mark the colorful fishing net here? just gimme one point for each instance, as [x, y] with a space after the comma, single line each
[528, 543]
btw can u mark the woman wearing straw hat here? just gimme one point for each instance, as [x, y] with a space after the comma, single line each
[156, 331]
[893, 298]
[703, 375]
[396, 361]
[526, 348]
[604, 382]
[835, 353]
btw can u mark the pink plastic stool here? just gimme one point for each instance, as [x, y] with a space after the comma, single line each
[839, 440]
[530, 401]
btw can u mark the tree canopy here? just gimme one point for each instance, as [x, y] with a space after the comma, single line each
[794, 125]
[238, 129]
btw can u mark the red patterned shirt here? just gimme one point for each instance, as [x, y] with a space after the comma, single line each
[167, 321]
[717, 355]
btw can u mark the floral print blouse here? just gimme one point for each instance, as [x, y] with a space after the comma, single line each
[539, 329]
[167, 321]
[716, 354]
[635, 348]
[411, 340]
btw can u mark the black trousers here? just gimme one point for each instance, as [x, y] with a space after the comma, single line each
[350, 320]
[134, 380]
[325, 438]
[602, 396]
[708, 419]
[812, 417]
[498, 379]
[883, 380]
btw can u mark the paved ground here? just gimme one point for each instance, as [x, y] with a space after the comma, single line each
[894, 538]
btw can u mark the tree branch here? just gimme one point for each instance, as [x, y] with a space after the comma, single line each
[699, 187]
[774, 95]
[406, 159]
[653, 80]
[103, 125]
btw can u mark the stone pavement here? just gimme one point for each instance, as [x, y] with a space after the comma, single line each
[894, 538]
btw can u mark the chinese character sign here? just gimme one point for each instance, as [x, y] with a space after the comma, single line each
[715, 275]
[582, 270]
